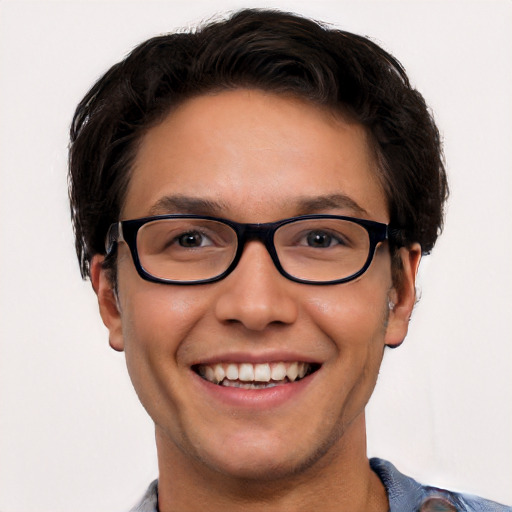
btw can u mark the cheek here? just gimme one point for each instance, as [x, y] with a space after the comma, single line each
[157, 317]
[349, 307]
[353, 315]
[155, 321]
[353, 318]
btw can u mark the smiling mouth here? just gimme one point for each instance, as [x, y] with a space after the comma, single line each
[255, 376]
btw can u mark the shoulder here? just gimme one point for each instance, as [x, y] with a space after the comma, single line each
[149, 502]
[407, 495]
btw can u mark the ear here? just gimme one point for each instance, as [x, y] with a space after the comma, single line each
[402, 296]
[108, 303]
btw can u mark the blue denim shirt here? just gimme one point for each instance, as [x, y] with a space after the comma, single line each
[407, 495]
[404, 494]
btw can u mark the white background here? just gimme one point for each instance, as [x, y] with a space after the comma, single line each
[73, 436]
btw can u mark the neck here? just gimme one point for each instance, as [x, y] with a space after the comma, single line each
[341, 480]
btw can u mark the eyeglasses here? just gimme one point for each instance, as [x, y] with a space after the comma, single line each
[192, 249]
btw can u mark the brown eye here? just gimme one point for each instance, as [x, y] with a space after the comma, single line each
[319, 239]
[191, 239]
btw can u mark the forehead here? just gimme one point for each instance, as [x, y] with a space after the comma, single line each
[260, 156]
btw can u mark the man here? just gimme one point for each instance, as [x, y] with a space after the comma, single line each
[251, 202]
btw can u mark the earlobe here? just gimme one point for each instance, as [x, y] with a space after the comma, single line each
[402, 296]
[107, 302]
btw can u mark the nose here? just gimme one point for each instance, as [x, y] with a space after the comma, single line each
[255, 294]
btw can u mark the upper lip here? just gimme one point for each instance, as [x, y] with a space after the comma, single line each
[256, 358]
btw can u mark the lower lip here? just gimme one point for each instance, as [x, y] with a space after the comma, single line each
[253, 398]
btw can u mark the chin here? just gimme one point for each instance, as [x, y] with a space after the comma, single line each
[266, 469]
[267, 460]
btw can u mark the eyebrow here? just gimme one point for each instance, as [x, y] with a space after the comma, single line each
[186, 204]
[302, 205]
[318, 204]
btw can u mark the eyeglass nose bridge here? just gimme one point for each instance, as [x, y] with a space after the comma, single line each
[263, 233]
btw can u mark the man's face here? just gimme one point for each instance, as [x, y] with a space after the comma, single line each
[253, 157]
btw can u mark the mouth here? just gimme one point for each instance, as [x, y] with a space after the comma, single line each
[255, 376]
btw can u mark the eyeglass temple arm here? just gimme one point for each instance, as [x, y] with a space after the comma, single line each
[114, 235]
[397, 236]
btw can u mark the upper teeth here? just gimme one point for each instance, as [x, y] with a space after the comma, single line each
[248, 372]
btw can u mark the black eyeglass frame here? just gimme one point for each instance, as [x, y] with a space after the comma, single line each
[126, 230]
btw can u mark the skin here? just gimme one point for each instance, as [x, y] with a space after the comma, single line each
[258, 156]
